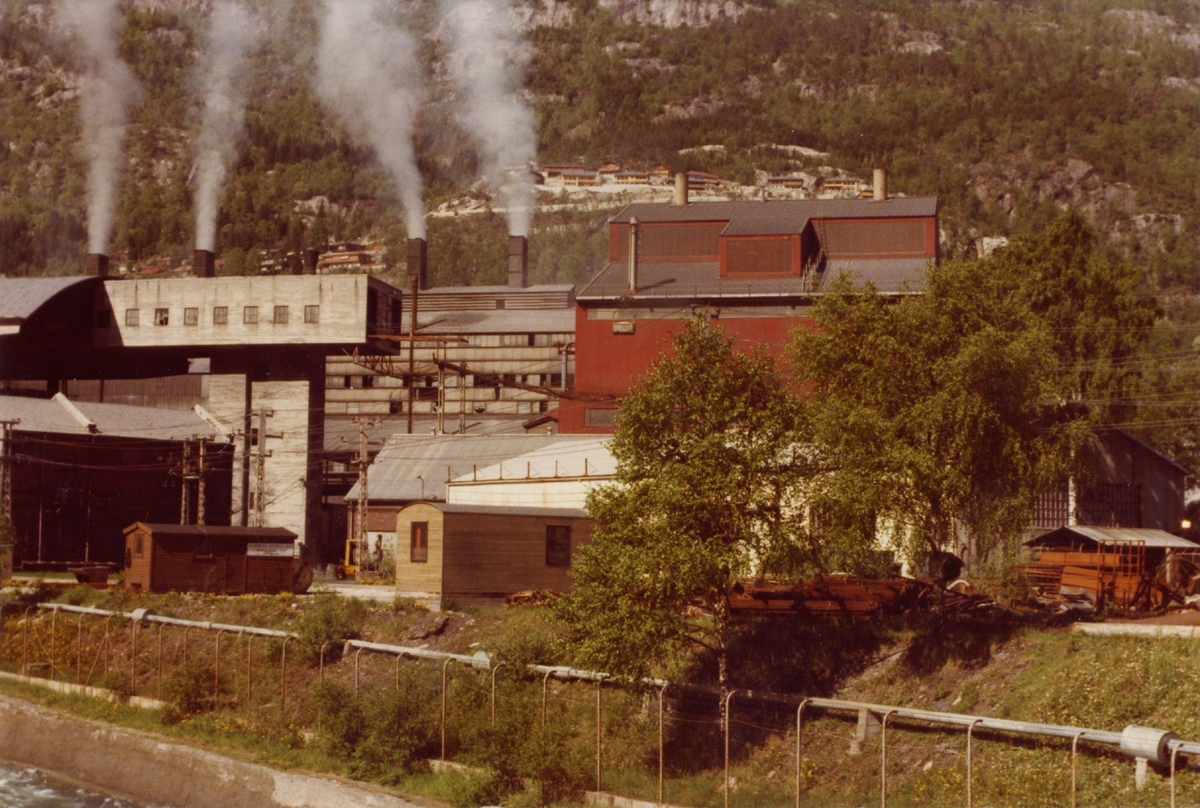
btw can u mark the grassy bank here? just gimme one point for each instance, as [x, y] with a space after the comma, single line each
[378, 720]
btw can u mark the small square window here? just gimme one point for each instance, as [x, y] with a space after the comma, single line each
[162, 316]
[281, 315]
[250, 315]
[220, 315]
[312, 314]
[131, 317]
[419, 544]
[191, 316]
[558, 545]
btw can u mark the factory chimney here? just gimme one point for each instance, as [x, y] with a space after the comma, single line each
[96, 265]
[308, 259]
[681, 190]
[204, 264]
[633, 253]
[880, 194]
[418, 264]
[518, 262]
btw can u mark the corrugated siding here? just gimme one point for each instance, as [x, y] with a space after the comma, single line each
[759, 255]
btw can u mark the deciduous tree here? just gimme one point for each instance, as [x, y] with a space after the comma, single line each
[706, 472]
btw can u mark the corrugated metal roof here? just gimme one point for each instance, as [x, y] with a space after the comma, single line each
[562, 458]
[1150, 537]
[560, 513]
[776, 209]
[237, 531]
[494, 321]
[684, 280]
[21, 297]
[416, 467]
[888, 275]
[112, 420]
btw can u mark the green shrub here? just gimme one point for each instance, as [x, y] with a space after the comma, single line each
[381, 736]
[188, 691]
[332, 618]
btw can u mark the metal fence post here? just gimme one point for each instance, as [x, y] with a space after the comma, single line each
[283, 680]
[53, 642]
[133, 627]
[1074, 751]
[79, 653]
[495, 669]
[599, 729]
[970, 781]
[1174, 752]
[107, 620]
[728, 697]
[661, 746]
[397, 674]
[544, 681]
[883, 760]
[356, 654]
[321, 669]
[217, 670]
[249, 668]
[445, 665]
[799, 726]
[158, 685]
[186, 631]
[25, 643]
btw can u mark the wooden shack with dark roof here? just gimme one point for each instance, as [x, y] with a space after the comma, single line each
[210, 558]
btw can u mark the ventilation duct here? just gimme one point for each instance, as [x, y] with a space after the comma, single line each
[96, 265]
[418, 263]
[204, 264]
[681, 191]
[518, 262]
[880, 194]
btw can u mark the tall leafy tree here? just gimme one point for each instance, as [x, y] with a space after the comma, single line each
[930, 410]
[705, 479]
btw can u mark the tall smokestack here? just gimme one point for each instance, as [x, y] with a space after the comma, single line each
[633, 253]
[308, 259]
[418, 263]
[204, 264]
[96, 265]
[518, 262]
[681, 191]
[880, 194]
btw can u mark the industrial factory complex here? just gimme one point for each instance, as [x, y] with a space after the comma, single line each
[450, 434]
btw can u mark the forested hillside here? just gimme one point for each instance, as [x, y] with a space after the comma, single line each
[1006, 112]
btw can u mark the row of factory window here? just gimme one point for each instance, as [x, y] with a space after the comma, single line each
[220, 316]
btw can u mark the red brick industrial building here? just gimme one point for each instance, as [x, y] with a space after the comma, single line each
[755, 266]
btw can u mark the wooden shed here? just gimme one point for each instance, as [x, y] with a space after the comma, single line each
[210, 558]
[478, 555]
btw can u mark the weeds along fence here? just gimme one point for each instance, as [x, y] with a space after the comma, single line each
[566, 729]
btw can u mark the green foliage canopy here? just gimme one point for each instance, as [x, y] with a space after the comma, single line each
[706, 471]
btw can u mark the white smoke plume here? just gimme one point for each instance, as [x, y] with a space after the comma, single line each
[106, 92]
[231, 35]
[367, 73]
[487, 60]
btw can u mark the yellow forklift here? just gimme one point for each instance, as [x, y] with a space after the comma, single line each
[350, 568]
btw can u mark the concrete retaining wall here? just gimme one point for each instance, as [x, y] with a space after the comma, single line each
[148, 769]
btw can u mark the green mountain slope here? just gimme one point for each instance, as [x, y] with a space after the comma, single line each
[1006, 112]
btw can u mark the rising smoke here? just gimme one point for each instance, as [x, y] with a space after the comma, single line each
[487, 59]
[367, 73]
[106, 92]
[231, 35]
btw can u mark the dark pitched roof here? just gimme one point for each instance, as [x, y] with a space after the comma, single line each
[52, 415]
[772, 213]
[263, 534]
[499, 510]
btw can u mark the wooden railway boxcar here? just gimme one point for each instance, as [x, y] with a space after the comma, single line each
[209, 558]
